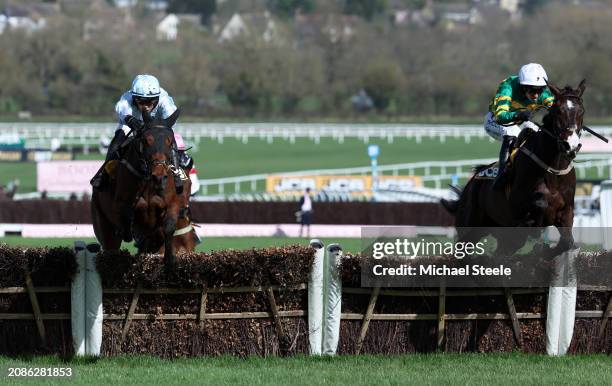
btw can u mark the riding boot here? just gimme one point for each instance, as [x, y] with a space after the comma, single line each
[504, 154]
[185, 160]
[100, 179]
[178, 182]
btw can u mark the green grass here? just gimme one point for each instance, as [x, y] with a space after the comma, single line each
[207, 245]
[233, 158]
[415, 369]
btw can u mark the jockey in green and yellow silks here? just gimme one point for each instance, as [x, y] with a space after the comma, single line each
[510, 110]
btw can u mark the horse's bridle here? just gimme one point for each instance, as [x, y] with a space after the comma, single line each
[143, 172]
[563, 147]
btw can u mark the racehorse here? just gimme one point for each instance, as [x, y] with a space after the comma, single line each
[155, 202]
[542, 182]
[143, 179]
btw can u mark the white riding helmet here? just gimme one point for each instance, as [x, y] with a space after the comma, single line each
[533, 74]
[145, 86]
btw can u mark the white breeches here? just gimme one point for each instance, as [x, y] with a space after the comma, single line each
[498, 131]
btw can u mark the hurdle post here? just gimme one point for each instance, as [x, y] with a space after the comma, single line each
[77, 300]
[605, 203]
[315, 299]
[86, 301]
[332, 299]
[93, 302]
[561, 310]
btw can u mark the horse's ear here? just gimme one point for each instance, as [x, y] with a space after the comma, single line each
[146, 118]
[171, 120]
[581, 87]
[556, 92]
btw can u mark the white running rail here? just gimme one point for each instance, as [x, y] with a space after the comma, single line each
[433, 173]
[91, 132]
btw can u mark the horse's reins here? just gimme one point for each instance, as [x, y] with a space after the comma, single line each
[542, 164]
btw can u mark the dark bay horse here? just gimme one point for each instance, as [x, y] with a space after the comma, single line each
[143, 174]
[542, 182]
[161, 215]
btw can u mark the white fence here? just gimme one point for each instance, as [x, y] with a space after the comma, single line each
[435, 174]
[90, 133]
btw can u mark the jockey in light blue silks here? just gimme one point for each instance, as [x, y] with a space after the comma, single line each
[145, 96]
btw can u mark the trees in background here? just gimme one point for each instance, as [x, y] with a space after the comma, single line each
[365, 8]
[287, 8]
[314, 70]
[205, 8]
[383, 82]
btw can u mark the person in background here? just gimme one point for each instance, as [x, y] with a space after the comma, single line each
[306, 212]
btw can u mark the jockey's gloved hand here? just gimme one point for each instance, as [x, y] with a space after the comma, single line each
[133, 123]
[523, 116]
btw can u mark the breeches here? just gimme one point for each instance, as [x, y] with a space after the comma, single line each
[498, 131]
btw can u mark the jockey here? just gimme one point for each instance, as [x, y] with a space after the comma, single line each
[145, 96]
[510, 111]
[186, 162]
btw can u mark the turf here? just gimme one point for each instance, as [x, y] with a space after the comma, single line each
[208, 244]
[234, 158]
[416, 369]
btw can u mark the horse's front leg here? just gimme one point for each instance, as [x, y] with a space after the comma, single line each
[564, 223]
[123, 214]
[169, 229]
[123, 210]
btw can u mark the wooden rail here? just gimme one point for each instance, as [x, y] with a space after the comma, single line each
[275, 314]
[441, 317]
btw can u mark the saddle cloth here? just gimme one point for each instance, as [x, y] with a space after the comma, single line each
[491, 171]
[488, 173]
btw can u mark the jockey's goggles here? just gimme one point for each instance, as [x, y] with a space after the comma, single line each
[145, 101]
[534, 89]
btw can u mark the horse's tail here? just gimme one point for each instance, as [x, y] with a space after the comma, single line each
[452, 205]
[456, 189]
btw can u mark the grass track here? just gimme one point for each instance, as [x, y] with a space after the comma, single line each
[233, 158]
[415, 369]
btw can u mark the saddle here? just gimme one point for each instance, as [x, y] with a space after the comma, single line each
[490, 171]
